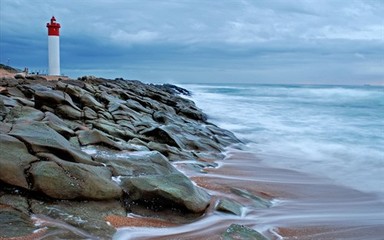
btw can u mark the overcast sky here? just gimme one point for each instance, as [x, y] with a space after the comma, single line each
[178, 41]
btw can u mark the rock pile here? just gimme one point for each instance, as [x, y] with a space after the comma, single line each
[76, 151]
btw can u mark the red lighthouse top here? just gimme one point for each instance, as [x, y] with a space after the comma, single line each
[53, 27]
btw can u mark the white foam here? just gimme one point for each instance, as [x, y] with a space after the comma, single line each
[337, 132]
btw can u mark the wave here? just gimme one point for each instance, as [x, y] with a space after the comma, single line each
[332, 131]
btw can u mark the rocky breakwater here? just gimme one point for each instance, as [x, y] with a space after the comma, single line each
[75, 153]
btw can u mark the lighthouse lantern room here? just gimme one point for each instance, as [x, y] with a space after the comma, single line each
[53, 47]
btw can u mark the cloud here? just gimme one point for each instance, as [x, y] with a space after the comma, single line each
[142, 36]
[264, 40]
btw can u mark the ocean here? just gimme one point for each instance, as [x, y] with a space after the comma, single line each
[334, 132]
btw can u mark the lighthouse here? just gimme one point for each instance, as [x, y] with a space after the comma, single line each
[53, 47]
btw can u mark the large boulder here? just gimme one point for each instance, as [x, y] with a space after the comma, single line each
[14, 160]
[41, 138]
[170, 189]
[65, 180]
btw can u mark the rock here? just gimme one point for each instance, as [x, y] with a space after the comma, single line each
[65, 180]
[136, 163]
[24, 114]
[89, 113]
[80, 95]
[53, 98]
[259, 202]
[14, 224]
[227, 205]
[172, 153]
[69, 112]
[172, 89]
[236, 231]
[14, 161]
[5, 127]
[41, 138]
[113, 129]
[7, 102]
[58, 125]
[15, 92]
[163, 135]
[3, 109]
[97, 137]
[16, 202]
[83, 215]
[168, 189]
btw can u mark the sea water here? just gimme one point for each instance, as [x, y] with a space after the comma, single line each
[336, 132]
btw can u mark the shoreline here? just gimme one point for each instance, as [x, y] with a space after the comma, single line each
[303, 206]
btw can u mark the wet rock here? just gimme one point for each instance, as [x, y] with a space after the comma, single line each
[16, 202]
[14, 223]
[41, 138]
[259, 202]
[236, 231]
[64, 180]
[230, 206]
[172, 188]
[88, 216]
[14, 161]
[136, 163]
[172, 153]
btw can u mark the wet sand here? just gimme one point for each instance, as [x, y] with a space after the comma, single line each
[303, 206]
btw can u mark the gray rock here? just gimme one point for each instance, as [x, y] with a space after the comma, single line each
[113, 129]
[236, 231]
[89, 113]
[17, 202]
[65, 180]
[24, 114]
[53, 98]
[58, 125]
[15, 224]
[172, 188]
[227, 205]
[88, 216]
[163, 135]
[172, 153]
[8, 102]
[96, 137]
[136, 163]
[69, 112]
[5, 127]
[41, 138]
[14, 161]
[258, 202]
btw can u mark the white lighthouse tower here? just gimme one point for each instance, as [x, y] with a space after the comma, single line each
[53, 47]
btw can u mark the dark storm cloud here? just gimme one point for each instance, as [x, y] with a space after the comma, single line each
[323, 41]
